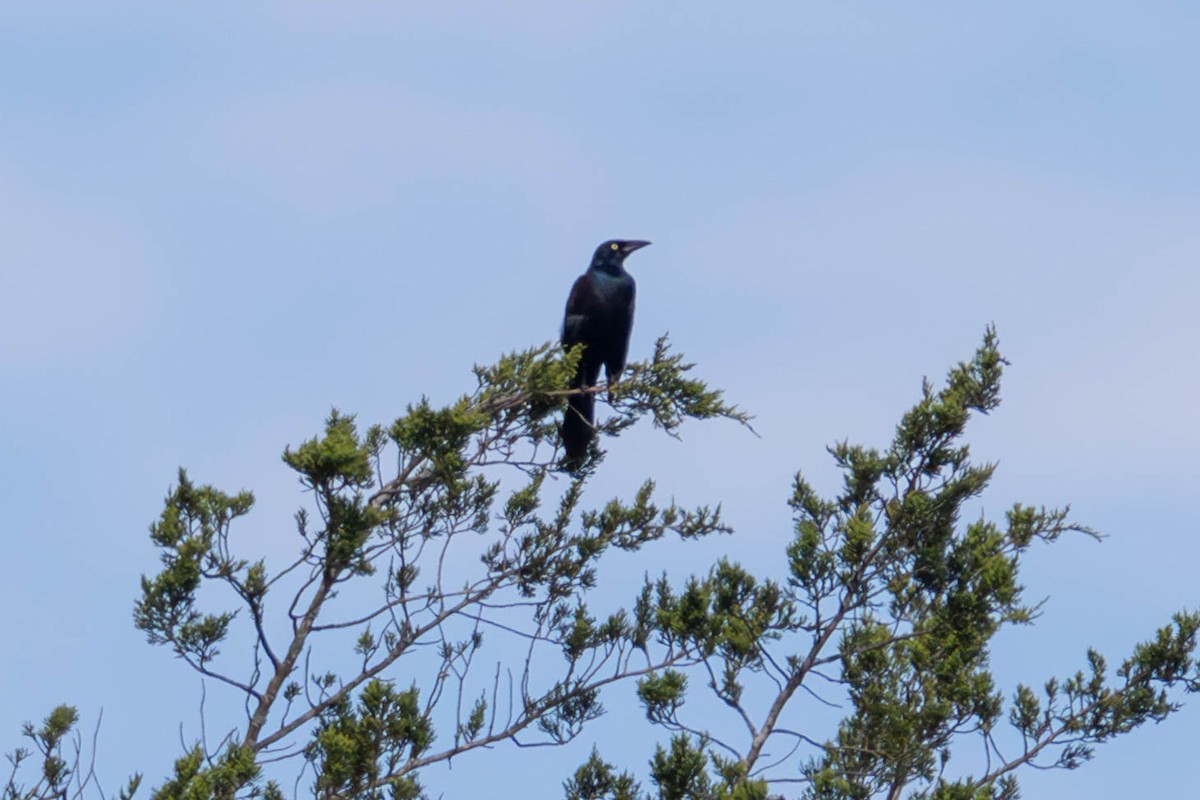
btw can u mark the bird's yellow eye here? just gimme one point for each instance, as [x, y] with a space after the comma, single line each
[615, 246]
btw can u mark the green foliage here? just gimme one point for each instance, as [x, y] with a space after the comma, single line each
[662, 694]
[364, 737]
[337, 468]
[681, 773]
[338, 458]
[451, 522]
[58, 775]
[658, 387]
[198, 778]
[1089, 709]
[470, 730]
[56, 772]
[597, 780]
[356, 749]
[891, 604]
[193, 535]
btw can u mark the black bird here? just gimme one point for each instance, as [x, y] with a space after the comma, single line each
[600, 316]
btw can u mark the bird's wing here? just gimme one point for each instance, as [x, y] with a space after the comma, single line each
[581, 305]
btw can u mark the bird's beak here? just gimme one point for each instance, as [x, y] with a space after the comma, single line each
[635, 244]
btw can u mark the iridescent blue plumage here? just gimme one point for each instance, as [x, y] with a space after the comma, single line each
[600, 316]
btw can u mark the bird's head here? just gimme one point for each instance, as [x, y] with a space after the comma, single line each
[614, 251]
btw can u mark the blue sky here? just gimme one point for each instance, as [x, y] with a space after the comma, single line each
[219, 222]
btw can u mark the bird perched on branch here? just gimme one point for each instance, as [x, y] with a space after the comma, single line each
[599, 316]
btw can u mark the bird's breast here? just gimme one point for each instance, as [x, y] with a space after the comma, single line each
[610, 284]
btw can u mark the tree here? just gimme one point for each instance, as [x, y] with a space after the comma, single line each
[409, 558]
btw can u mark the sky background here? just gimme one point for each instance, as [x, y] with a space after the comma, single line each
[219, 222]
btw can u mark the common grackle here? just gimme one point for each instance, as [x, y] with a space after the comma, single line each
[600, 316]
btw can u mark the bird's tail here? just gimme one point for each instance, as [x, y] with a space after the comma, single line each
[578, 429]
